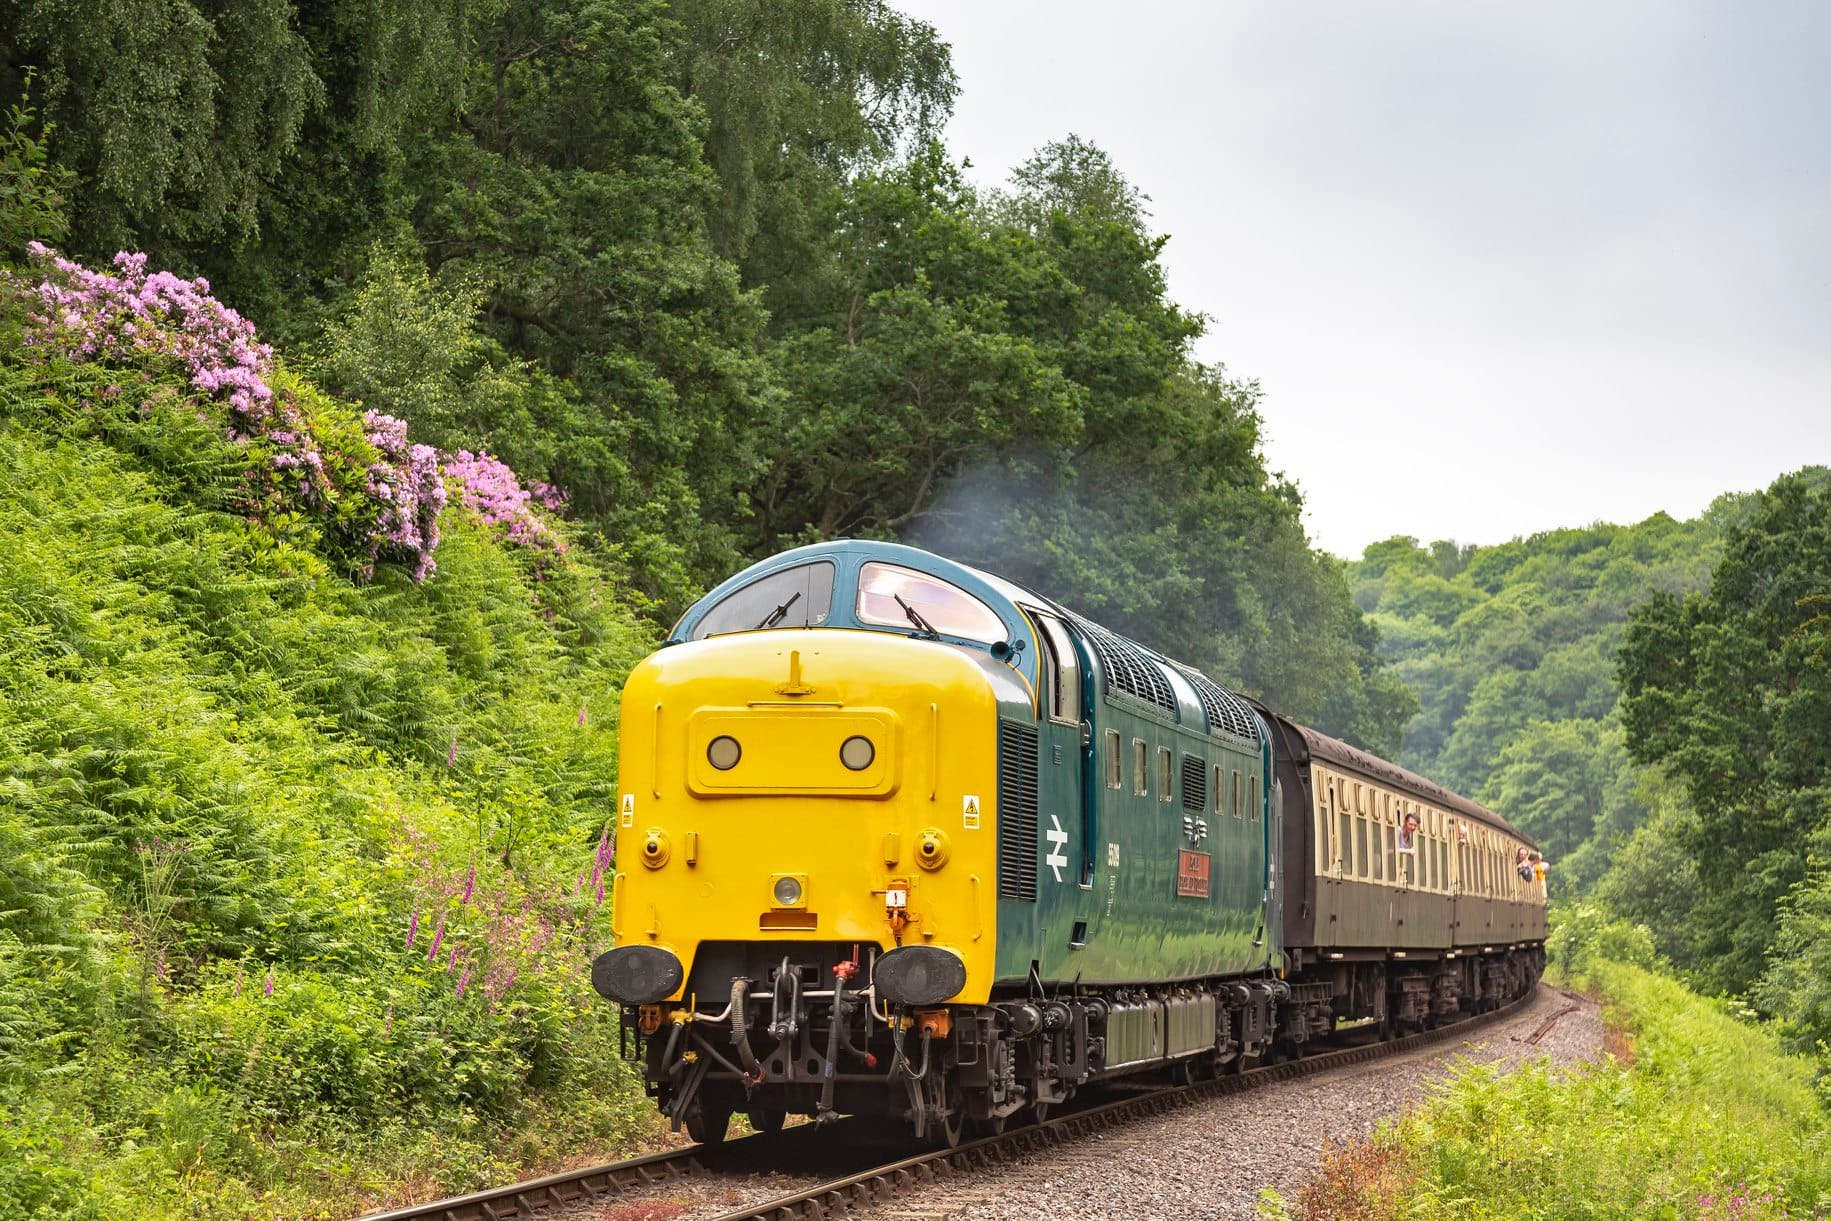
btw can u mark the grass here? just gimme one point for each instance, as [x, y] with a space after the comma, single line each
[1692, 1112]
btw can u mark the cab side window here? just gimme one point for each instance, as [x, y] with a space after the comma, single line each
[801, 596]
[1061, 671]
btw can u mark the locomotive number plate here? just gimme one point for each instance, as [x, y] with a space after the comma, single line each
[1192, 874]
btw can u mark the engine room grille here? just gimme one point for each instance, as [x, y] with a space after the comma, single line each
[1016, 811]
[1195, 783]
[1129, 668]
[1227, 712]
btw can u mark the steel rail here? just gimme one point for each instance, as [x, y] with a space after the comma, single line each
[612, 1179]
[1548, 1023]
[879, 1186]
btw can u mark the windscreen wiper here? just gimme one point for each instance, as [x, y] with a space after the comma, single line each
[923, 626]
[776, 616]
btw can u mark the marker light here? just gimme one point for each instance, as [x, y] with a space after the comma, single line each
[857, 753]
[787, 891]
[723, 752]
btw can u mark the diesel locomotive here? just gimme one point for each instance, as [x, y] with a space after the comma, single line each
[898, 837]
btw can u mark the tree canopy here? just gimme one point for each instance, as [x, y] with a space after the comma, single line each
[1729, 690]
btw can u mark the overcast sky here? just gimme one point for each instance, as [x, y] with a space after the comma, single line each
[1498, 269]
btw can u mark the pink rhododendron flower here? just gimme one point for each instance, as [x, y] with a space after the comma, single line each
[130, 318]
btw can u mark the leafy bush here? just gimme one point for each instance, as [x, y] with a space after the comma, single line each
[33, 189]
[1585, 935]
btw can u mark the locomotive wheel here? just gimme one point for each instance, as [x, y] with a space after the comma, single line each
[1038, 1112]
[953, 1127]
[708, 1125]
[948, 1129]
[767, 1120]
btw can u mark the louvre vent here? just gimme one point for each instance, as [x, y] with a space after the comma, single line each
[1129, 668]
[1227, 712]
[1195, 783]
[1016, 811]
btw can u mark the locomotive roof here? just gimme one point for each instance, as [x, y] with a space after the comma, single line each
[1333, 750]
[1126, 665]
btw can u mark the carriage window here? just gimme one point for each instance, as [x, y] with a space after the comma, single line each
[1220, 794]
[1343, 820]
[1255, 799]
[887, 593]
[795, 597]
[1141, 780]
[1360, 847]
[1166, 775]
[1114, 778]
[1378, 839]
[1061, 672]
[1239, 794]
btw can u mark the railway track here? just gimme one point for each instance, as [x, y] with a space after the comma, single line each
[882, 1183]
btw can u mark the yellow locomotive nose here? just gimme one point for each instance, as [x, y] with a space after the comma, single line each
[804, 772]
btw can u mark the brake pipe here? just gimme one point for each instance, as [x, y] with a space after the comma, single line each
[667, 1057]
[740, 1029]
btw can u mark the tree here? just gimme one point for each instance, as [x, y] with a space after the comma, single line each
[1796, 986]
[797, 97]
[1654, 881]
[1077, 179]
[574, 192]
[1728, 689]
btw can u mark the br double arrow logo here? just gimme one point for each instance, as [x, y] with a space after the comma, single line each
[1057, 860]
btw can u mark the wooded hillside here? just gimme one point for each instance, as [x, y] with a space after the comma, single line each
[377, 380]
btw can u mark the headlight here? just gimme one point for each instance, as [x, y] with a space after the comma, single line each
[787, 891]
[857, 753]
[723, 752]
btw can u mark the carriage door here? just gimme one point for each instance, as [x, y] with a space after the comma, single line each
[1062, 758]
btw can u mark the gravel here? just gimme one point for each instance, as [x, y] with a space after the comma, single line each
[1214, 1159]
[1208, 1160]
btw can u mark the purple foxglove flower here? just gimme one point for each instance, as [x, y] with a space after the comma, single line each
[470, 884]
[464, 979]
[432, 952]
[413, 926]
[267, 989]
[451, 752]
[453, 960]
[581, 714]
[238, 979]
